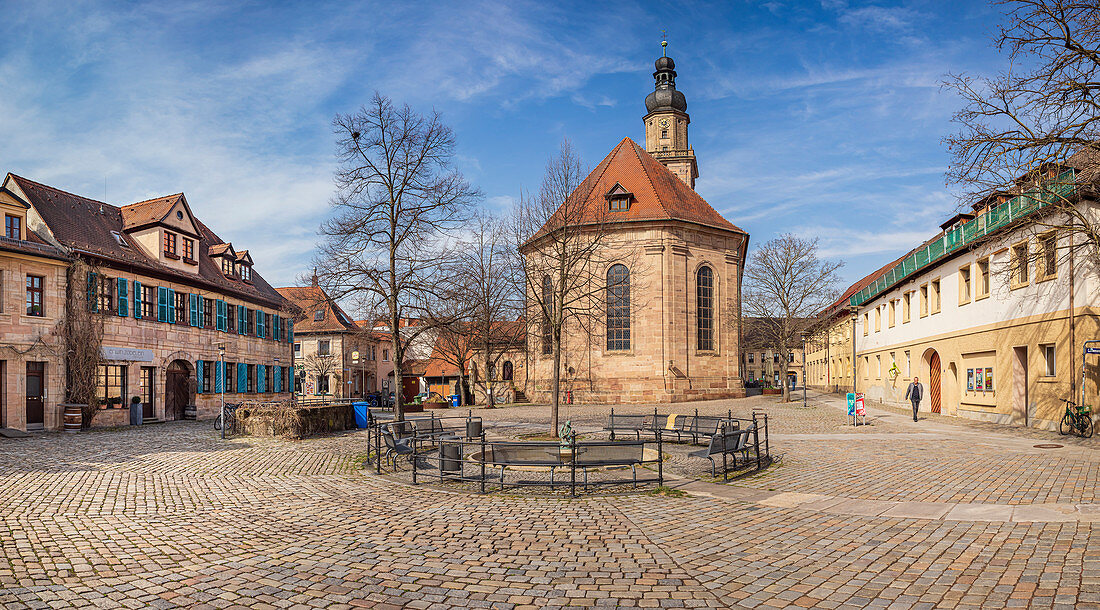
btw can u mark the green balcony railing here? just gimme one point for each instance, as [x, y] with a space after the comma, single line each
[962, 236]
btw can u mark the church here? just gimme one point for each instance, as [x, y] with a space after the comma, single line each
[673, 266]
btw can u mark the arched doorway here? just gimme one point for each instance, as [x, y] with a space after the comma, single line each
[935, 391]
[177, 389]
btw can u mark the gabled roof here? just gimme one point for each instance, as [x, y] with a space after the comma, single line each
[244, 257]
[85, 225]
[311, 299]
[222, 249]
[658, 193]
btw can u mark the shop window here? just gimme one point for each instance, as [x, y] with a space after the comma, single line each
[322, 384]
[111, 386]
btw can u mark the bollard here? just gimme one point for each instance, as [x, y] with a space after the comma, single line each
[378, 449]
[756, 439]
[660, 461]
[414, 463]
[573, 466]
[483, 463]
[612, 423]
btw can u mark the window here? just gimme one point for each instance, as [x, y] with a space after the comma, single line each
[751, 354]
[250, 321]
[322, 384]
[250, 380]
[1048, 352]
[906, 307]
[907, 364]
[704, 308]
[664, 133]
[866, 324]
[207, 377]
[181, 308]
[111, 386]
[170, 244]
[775, 358]
[13, 227]
[231, 318]
[878, 319]
[964, 285]
[105, 294]
[323, 348]
[1019, 265]
[934, 295]
[34, 295]
[618, 308]
[227, 266]
[299, 377]
[208, 320]
[924, 300]
[297, 349]
[319, 315]
[149, 302]
[983, 278]
[893, 312]
[246, 273]
[385, 355]
[878, 367]
[547, 306]
[618, 204]
[790, 357]
[1048, 245]
[188, 249]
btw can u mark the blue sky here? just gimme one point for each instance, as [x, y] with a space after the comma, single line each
[818, 118]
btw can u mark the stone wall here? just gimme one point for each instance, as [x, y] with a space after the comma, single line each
[309, 421]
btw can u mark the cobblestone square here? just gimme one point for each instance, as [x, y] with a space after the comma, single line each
[940, 513]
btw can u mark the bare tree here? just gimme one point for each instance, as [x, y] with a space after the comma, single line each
[785, 285]
[322, 365]
[561, 235]
[1024, 129]
[398, 197]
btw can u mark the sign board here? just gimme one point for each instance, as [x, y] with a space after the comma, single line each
[860, 410]
[851, 403]
[131, 354]
[355, 356]
[1092, 351]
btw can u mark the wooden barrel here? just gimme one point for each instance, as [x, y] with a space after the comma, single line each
[73, 417]
[190, 412]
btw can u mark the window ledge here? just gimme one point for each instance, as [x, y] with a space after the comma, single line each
[1048, 379]
[1047, 278]
[618, 352]
[1015, 286]
[174, 257]
[981, 298]
[190, 261]
[709, 352]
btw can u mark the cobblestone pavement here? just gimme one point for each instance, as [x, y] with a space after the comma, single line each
[171, 516]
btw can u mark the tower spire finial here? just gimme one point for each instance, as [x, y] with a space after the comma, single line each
[664, 43]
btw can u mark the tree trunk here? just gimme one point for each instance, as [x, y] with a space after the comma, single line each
[784, 377]
[555, 385]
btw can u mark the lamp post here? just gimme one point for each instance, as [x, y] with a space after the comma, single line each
[221, 393]
[804, 367]
[854, 312]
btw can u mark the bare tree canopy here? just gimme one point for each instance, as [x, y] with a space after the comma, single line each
[398, 198]
[1024, 128]
[560, 237]
[785, 285]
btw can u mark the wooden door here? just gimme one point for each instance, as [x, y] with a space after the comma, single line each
[175, 394]
[148, 379]
[36, 388]
[934, 381]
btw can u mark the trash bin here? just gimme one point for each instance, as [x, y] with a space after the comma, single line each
[362, 413]
[454, 400]
[451, 450]
[473, 428]
[137, 413]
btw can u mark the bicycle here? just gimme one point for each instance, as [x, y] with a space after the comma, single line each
[1077, 419]
[230, 417]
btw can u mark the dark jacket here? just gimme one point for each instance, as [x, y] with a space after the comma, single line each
[915, 391]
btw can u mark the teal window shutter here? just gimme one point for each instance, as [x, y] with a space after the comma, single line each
[193, 305]
[241, 324]
[137, 300]
[93, 302]
[171, 306]
[275, 327]
[260, 385]
[242, 376]
[219, 376]
[123, 297]
[201, 317]
[290, 331]
[162, 304]
[198, 376]
[219, 307]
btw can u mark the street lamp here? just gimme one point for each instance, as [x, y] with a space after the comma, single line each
[804, 370]
[854, 310]
[221, 393]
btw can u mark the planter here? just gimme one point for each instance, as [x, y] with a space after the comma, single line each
[772, 392]
[435, 405]
[413, 408]
[74, 415]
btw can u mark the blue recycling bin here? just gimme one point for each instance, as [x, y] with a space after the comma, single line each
[362, 413]
[454, 400]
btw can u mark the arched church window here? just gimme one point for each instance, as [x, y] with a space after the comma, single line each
[618, 308]
[507, 373]
[704, 308]
[547, 305]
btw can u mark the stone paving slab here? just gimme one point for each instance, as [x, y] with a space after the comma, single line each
[980, 512]
[919, 510]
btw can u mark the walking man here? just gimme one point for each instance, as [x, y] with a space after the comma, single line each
[914, 393]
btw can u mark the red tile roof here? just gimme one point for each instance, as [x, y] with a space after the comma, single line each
[658, 194]
[311, 299]
[841, 304]
[86, 226]
[147, 212]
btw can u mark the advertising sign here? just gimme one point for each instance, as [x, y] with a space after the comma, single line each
[851, 404]
[131, 354]
[979, 380]
[989, 378]
[970, 380]
[860, 411]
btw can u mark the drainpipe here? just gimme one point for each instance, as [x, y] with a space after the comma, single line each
[1073, 322]
[854, 361]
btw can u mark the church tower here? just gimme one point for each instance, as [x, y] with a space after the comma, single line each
[666, 122]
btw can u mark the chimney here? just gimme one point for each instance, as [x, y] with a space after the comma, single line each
[314, 280]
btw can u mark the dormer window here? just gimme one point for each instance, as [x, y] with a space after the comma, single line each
[246, 273]
[618, 198]
[170, 245]
[188, 249]
[13, 227]
[120, 239]
[227, 266]
[319, 315]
